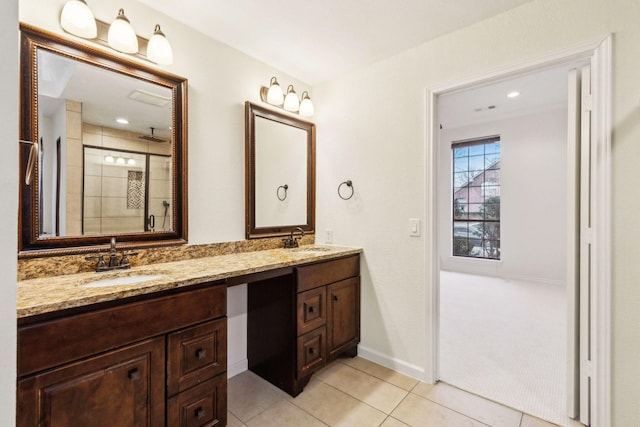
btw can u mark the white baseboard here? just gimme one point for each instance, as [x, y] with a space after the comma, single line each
[237, 368]
[392, 363]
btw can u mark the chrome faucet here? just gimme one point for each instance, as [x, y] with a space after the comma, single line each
[292, 242]
[114, 263]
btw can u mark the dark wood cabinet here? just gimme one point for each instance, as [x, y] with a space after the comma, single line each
[343, 315]
[298, 322]
[124, 387]
[155, 362]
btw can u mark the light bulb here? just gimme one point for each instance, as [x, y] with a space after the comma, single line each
[275, 95]
[120, 161]
[77, 19]
[291, 101]
[131, 162]
[109, 159]
[121, 35]
[306, 106]
[159, 50]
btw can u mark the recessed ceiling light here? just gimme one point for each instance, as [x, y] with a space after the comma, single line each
[122, 121]
[513, 94]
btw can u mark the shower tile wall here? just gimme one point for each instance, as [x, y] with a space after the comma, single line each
[106, 185]
[73, 161]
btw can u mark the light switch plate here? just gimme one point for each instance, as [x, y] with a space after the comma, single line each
[414, 226]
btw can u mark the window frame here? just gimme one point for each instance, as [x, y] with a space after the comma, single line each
[486, 234]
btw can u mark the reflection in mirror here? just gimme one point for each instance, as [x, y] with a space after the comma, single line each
[125, 192]
[280, 173]
[112, 148]
[281, 159]
[82, 105]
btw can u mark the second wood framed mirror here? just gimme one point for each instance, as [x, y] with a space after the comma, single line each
[280, 173]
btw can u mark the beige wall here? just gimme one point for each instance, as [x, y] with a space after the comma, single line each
[371, 129]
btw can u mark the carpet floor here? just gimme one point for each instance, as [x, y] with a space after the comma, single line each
[505, 340]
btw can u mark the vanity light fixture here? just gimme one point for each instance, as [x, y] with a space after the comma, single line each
[273, 95]
[122, 36]
[77, 19]
[159, 50]
[120, 161]
[131, 162]
[109, 159]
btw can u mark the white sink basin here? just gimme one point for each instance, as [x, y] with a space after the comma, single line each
[122, 281]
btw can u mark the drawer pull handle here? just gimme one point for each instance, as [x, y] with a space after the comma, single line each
[200, 413]
[311, 309]
[134, 375]
[201, 353]
[336, 298]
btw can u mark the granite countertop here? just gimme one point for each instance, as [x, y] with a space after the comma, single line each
[49, 294]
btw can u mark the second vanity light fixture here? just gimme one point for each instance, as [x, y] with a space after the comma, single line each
[289, 101]
[77, 19]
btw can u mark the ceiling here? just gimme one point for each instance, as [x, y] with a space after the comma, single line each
[315, 41]
[540, 91]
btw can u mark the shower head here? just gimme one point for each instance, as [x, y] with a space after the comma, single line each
[152, 137]
[165, 204]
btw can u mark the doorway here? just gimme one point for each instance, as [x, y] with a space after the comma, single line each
[502, 222]
[596, 52]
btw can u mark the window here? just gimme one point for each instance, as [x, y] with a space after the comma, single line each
[476, 198]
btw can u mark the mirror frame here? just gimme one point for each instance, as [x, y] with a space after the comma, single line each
[251, 112]
[30, 244]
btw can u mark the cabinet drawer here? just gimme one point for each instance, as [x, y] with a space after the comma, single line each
[202, 406]
[313, 276]
[311, 310]
[195, 355]
[312, 351]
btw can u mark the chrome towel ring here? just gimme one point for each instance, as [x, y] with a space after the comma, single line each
[282, 194]
[342, 193]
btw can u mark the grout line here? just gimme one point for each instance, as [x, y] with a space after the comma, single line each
[451, 409]
[378, 378]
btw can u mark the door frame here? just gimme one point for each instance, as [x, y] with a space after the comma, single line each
[598, 50]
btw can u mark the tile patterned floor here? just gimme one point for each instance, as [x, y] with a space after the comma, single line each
[356, 392]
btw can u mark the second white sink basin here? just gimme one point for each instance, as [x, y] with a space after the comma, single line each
[122, 281]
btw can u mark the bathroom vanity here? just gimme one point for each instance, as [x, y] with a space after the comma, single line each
[154, 353]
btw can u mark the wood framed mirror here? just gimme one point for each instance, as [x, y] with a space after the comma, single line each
[280, 176]
[111, 153]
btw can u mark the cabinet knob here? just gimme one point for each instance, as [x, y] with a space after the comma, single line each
[311, 350]
[311, 309]
[201, 353]
[336, 298]
[200, 413]
[134, 374]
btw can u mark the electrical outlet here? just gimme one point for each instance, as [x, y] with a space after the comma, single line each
[414, 226]
[328, 236]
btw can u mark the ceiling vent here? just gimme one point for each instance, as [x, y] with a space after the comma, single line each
[149, 98]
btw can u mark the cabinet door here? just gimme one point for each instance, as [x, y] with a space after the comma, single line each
[120, 388]
[343, 315]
